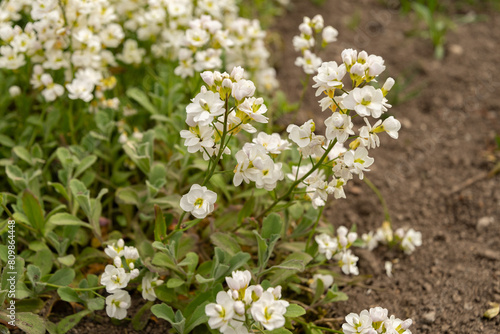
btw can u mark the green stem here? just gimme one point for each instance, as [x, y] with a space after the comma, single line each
[297, 182]
[314, 228]
[71, 122]
[222, 145]
[18, 222]
[381, 199]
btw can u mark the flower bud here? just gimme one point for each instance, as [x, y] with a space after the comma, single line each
[117, 261]
[14, 91]
[389, 83]
[134, 273]
[239, 307]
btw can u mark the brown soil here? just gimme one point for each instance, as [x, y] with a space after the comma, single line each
[433, 177]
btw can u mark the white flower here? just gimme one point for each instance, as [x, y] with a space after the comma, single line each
[326, 279]
[329, 34]
[14, 91]
[115, 249]
[204, 107]
[117, 304]
[349, 57]
[309, 62]
[358, 161]
[370, 241]
[51, 90]
[411, 240]
[339, 126]
[388, 268]
[326, 245]
[252, 294]
[329, 77]
[252, 109]
[243, 88]
[272, 143]
[80, 89]
[239, 280]
[368, 136]
[366, 101]
[391, 126]
[348, 263]
[199, 201]
[222, 313]
[197, 138]
[378, 314]
[268, 311]
[301, 135]
[375, 66]
[114, 278]
[131, 254]
[149, 282]
[357, 324]
[255, 165]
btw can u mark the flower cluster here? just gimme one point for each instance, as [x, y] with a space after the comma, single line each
[407, 240]
[365, 101]
[338, 249]
[224, 107]
[242, 302]
[375, 321]
[74, 45]
[306, 42]
[116, 277]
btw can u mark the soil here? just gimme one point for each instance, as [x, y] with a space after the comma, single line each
[434, 177]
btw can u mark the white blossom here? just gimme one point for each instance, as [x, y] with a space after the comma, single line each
[268, 311]
[114, 278]
[117, 304]
[199, 201]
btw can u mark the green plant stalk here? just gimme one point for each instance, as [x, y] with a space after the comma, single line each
[18, 222]
[296, 183]
[222, 145]
[309, 238]
[381, 199]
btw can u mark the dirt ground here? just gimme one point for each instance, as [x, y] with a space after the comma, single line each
[434, 176]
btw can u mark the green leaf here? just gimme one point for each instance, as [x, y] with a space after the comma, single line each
[294, 310]
[225, 242]
[34, 274]
[165, 312]
[272, 224]
[16, 175]
[60, 189]
[85, 164]
[33, 210]
[160, 224]
[62, 277]
[71, 321]
[68, 295]
[335, 296]
[23, 154]
[140, 97]
[82, 195]
[67, 260]
[281, 275]
[140, 319]
[66, 219]
[175, 283]
[27, 322]
[95, 304]
[191, 261]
